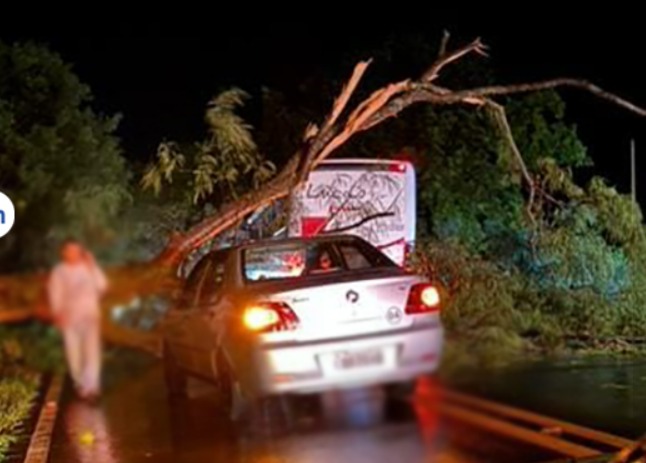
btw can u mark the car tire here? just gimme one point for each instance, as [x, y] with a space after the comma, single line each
[268, 417]
[174, 376]
[401, 391]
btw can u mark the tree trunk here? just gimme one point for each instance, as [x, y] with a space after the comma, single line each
[21, 296]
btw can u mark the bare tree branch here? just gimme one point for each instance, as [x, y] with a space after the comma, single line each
[311, 149]
[504, 90]
[348, 90]
[446, 36]
[501, 118]
[503, 122]
[381, 105]
[357, 224]
[447, 58]
[359, 117]
[636, 450]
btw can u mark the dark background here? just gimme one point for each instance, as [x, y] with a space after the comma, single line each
[160, 74]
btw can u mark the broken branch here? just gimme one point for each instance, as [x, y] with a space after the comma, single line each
[514, 89]
[348, 90]
[447, 58]
[357, 224]
[308, 154]
[381, 105]
[444, 44]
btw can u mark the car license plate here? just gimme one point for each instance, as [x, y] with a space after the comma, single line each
[365, 358]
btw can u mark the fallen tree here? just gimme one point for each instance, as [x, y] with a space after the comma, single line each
[19, 294]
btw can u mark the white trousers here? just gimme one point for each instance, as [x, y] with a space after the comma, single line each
[83, 352]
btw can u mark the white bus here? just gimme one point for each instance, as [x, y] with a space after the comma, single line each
[373, 199]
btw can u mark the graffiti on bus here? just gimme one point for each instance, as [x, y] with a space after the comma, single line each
[344, 199]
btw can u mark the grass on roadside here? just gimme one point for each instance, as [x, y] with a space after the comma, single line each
[16, 398]
[25, 352]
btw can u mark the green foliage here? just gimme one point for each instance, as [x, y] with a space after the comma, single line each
[496, 315]
[468, 187]
[59, 161]
[581, 278]
[540, 130]
[147, 223]
[24, 351]
[574, 255]
[513, 290]
[35, 347]
[16, 397]
[485, 322]
[620, 218]
[470, 284]
[225, 164]
[464, 193]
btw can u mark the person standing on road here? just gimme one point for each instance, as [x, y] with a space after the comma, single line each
[74, 289]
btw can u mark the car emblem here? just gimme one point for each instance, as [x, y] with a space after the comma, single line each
[394, 315]
[352, 296]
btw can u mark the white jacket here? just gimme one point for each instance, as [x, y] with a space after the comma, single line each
[75, 291]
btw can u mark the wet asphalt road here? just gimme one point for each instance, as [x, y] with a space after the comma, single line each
[604, 393]
[136, 422]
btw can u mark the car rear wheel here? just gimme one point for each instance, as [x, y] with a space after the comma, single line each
[174, 376]
[268, 417]
[401, 391]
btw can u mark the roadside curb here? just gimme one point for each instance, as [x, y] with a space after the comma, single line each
[41, 439]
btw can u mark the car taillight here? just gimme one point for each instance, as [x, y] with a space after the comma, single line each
[423, 298]
[270, 316]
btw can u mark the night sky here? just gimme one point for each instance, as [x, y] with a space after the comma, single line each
[160, 75]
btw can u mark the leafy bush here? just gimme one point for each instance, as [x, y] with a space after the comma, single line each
[16, 397]
[496, 313]
[24, 352]
[33, 347]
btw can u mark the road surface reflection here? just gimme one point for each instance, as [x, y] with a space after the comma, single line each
[88, 434]
[137, 423]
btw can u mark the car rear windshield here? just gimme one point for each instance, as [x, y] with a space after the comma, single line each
[298, 259]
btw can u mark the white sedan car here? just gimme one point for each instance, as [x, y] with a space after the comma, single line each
[301, 316]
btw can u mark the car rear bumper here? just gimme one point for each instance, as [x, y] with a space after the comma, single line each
[315, 366]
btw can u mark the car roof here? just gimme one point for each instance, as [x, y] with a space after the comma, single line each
[300, 239]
